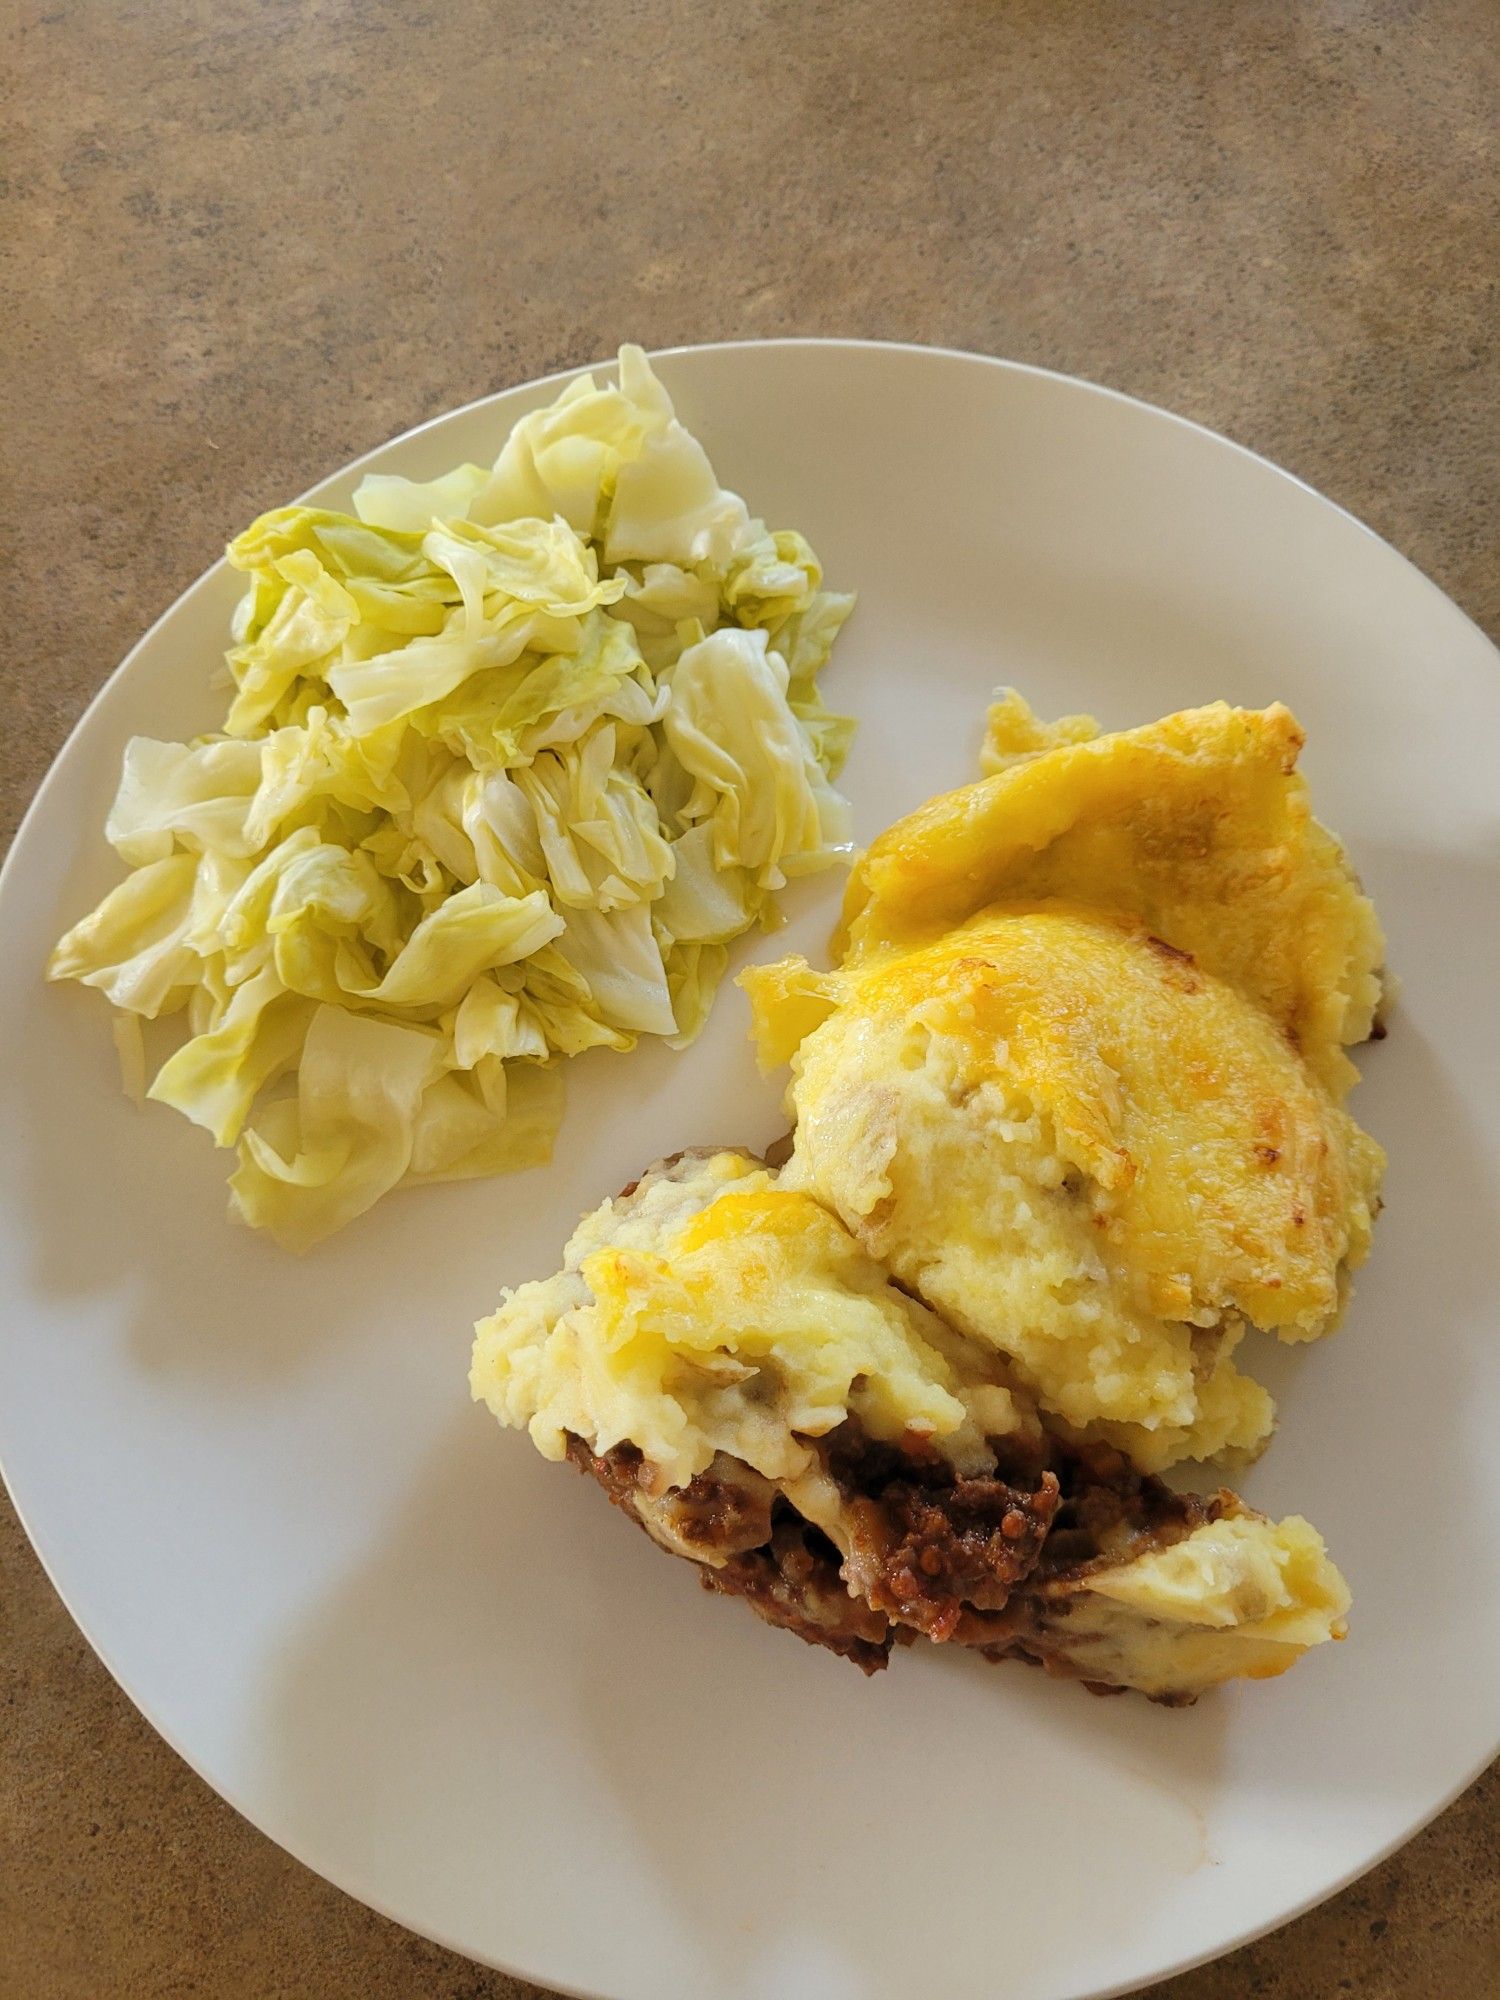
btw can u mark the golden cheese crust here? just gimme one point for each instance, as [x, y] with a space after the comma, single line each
[1198, 826]
[1079, 1079]
[1081, 1149]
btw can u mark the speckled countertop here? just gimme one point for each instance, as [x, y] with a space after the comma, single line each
[244, 240]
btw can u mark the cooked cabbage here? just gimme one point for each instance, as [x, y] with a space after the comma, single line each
[512, 755]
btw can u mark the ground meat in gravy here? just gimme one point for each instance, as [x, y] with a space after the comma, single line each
[796, 1582]
[982, 1561]
[1109, 1513]
[788, 1572]
[720, 1513]
[925, 1540]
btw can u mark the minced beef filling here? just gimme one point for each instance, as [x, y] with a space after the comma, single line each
[788, 1571]
[1109, 1513]
[976, 1560]
[715, 1514]
[796, 1582]
[925, 1540]
[617, 1471]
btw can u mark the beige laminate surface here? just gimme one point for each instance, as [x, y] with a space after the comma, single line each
[243, 240]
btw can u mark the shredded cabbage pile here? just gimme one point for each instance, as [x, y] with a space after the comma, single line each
[511, 757]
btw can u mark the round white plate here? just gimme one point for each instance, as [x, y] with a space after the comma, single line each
[446, 1674]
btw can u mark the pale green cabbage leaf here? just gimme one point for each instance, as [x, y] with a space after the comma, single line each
[512, 756]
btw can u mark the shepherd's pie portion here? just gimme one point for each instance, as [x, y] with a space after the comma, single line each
[740, 1377]
[1069, 1120]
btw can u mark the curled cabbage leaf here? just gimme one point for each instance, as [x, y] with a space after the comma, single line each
[512, 755]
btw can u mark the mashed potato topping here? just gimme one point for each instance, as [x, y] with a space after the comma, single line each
[1241, 1597]
[1097, 1123]
[1003, 1118]
[1197, 826]
[1239, 1574]
[718, 1312]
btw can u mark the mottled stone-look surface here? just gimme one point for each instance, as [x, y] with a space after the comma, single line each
[243, 240]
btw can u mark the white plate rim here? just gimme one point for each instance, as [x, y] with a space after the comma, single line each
[343, 474]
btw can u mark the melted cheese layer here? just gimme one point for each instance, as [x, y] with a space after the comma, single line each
[1198, 827]
[1085, 1153]
[1079, 1080]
